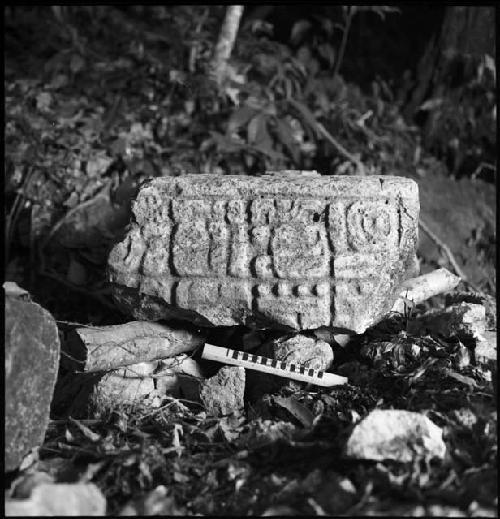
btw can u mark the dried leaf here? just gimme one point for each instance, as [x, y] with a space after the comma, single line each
[89, 434]
[296, 409]
[461, 378]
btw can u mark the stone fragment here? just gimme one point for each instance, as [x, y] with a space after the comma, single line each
[489, 302]
[485, 351]
[466, 321]
[144, 383]
[277, 251]
[31, 362]
[299, 349]
[61, 499]
[221, 394]
[392, 434]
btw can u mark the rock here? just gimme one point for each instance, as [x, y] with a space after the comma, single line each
[221, 394]
[395, 435]
[466, 321]
[485, 351]
[60, 499]
[145, 382]
[290, 251]
[299, 349]
[489, 302]
[31, 362]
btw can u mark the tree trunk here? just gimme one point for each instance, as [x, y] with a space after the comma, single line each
[467, 33]
[225, 45]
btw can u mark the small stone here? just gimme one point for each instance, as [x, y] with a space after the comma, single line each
[61, 499]
[485, 351]
[223, 393]
[489, 302]
[396, 435]
[277, 251]
[299, 349]
[32, 351]
[134, 384]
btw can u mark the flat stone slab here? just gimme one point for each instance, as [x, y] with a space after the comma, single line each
[294, 250]
[31, 362]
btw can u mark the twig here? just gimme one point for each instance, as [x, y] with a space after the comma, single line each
[71, 212]
[340, 148]
[345, 33]
[225, 44]
[446, 250]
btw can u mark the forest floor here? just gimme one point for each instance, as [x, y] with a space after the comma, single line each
[84, 125]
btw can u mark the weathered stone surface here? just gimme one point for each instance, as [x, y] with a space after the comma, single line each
[31, 363]
[277, 251]
[392, 434]
[485, 351]
[221, 394]
[143, 383]
[59, 499]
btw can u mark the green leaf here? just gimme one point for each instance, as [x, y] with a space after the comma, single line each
[240, 118]
[254, 127]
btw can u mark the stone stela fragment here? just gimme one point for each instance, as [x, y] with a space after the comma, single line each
[290, 250]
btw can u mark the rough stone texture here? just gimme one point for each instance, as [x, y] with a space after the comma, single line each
[489, 302]
[278, 251]
[486, 350]
[138, 383]
[221, 394]
[391, 434]
[299, 349]
[59, 499]
[31, 362]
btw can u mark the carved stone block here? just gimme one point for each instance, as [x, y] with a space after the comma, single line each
[292, 251]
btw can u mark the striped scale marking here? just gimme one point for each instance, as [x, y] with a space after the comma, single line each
[274, 367]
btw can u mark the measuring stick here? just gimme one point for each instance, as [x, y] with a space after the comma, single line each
[274, 367]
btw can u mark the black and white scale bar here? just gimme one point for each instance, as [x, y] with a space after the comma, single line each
[274, 367]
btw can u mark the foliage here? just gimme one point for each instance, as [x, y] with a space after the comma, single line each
[461, 124]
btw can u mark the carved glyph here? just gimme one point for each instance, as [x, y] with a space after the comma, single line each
[298, 253]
